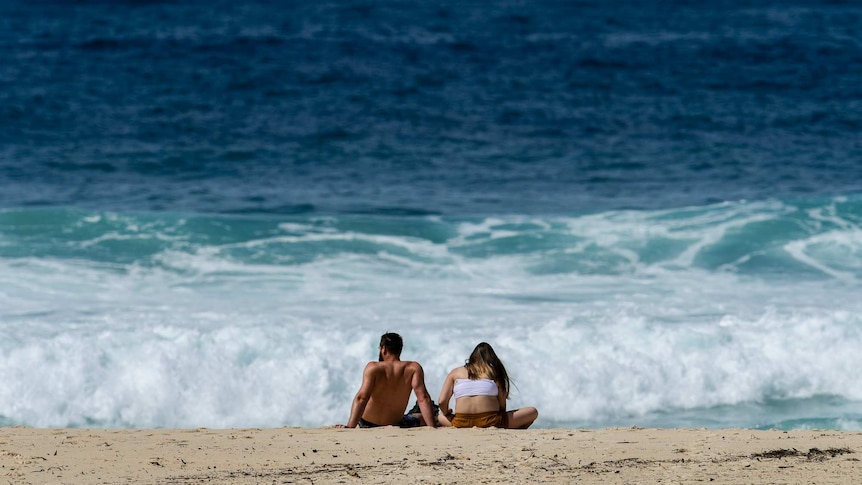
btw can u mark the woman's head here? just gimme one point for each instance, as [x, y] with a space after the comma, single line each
[484, 363]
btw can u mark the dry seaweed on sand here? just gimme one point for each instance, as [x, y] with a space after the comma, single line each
[812, 454]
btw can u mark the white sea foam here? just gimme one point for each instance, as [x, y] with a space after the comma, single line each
[199, 335]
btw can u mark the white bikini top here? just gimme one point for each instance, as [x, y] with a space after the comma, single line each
[475, 387]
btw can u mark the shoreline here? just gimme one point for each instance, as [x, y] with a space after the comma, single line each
[422, 455]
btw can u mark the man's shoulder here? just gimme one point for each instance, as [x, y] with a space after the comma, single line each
[399, 366]
[409, 364]
[373, 367]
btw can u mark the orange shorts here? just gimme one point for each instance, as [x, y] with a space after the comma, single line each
[496, 419]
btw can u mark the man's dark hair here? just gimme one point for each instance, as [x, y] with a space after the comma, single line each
[392, 342]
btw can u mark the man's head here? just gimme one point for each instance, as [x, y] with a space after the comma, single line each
[393, 344]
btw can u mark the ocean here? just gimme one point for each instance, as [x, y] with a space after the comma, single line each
[211, 211]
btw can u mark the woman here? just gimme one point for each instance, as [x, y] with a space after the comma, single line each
[481, 388]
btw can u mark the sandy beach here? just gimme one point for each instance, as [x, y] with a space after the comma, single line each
[392, 455]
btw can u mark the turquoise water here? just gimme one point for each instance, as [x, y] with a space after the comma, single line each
[742, 314]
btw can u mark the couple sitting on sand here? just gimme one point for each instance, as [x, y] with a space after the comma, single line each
[480, 387]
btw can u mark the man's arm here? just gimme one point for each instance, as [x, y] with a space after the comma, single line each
[422, 396]
[362, 396]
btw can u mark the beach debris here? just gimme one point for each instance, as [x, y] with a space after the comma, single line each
[820, 455]
[813, 454]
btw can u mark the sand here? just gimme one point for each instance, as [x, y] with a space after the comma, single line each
[392, 455]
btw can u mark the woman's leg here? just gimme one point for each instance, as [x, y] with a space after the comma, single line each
[522, 418]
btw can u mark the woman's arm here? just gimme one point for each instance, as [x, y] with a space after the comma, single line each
[443, 400]
[446, 394]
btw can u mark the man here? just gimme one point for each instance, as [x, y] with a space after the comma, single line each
[385, 390]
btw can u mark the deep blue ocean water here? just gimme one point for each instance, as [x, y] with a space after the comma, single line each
[210, 211]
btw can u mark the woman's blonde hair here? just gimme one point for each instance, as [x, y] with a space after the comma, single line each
[484, 363]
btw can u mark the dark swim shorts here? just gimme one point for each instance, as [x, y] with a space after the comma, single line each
[406, 422]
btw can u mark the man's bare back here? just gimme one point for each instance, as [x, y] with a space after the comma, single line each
[386, 386]
[392, 383]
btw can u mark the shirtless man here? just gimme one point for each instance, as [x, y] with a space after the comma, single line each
[385, 390]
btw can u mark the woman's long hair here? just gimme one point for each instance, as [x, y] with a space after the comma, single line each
[484, 363]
